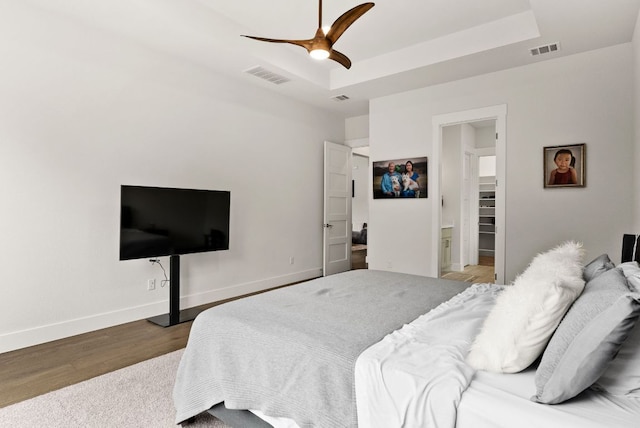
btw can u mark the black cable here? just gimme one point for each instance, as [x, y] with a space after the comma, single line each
[166, 280]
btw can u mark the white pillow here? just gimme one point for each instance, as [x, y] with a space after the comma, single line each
[527, 313]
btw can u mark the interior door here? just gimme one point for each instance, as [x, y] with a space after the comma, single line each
[337, 209]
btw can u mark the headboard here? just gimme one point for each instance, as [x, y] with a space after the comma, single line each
[630, 248]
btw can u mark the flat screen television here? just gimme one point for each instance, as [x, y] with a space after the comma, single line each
[160, 221]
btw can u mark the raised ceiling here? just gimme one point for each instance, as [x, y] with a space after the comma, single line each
[398, 45]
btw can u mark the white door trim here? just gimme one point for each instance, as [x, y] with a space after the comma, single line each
[499, 113]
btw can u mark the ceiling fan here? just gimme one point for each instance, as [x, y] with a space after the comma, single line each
[321, 46]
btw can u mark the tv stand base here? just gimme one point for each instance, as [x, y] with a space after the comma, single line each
[184, 316]
[175, 315]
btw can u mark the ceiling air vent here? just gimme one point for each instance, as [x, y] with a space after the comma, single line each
[340, 98]
[267, 75]
[541, 50]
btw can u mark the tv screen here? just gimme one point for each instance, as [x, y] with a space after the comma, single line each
[158, 221]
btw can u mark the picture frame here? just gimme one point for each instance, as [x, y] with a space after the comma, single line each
[564, 166]
[392, 185]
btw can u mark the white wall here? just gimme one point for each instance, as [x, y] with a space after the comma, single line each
[636, 110]
[362, 185]
[582, 98]
[357, 127]
[485, 137]
[83, 112]
[451, 174]
[452, 143]
[357, 136]
[487, 166]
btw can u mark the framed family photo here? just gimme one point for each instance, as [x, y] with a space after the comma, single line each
[400, 178]
[564, 166]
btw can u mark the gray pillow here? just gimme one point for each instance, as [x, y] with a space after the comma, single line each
[599, 265]
[631, 271]
[587, 339]
[622, 376]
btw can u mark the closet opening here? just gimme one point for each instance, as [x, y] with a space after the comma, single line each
[468, 201]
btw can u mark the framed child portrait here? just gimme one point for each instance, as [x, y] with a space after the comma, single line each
[564, 166]
[400, 178]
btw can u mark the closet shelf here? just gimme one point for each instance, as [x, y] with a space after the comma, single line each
[486, 215]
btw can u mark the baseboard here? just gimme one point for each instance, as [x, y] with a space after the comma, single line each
[246, 288]
[48, 333]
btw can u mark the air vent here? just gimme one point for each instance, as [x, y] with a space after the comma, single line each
[340, 98]
[267, 75]
[541, 50]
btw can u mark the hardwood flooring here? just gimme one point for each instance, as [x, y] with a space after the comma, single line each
[358, 257]
[29, 372]
[483, 272]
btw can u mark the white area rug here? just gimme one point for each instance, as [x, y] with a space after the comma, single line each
[136, 396]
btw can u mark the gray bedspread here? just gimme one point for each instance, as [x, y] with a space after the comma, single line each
[292, 351]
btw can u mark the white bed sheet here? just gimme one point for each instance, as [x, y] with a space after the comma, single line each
[495, 400]
[276, 421]
[416, 375]
[502, 401]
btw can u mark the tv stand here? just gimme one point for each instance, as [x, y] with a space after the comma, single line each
[175, 315]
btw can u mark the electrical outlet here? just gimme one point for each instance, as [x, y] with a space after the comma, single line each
[291, 260]
[151, 284]
[389, 265]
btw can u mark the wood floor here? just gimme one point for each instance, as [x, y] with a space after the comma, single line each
[358, 257]
[32, 371]
[483, 272]
[29, 372]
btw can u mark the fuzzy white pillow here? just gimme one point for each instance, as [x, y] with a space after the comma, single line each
[527, 313]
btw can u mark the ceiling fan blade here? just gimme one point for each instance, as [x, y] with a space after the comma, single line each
[325, 42]
[303, 43]
[341, 58]
[345, 20]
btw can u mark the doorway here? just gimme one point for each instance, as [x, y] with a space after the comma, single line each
[468, 201]
[360, 206]
[346, 209]
[456, 184]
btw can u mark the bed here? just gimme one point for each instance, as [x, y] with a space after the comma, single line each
[382, 349]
